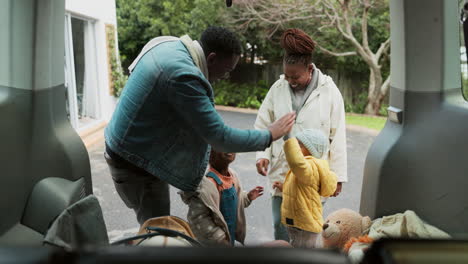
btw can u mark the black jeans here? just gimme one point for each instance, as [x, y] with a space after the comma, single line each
[146, 194]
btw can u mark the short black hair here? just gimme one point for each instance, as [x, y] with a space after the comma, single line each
[221, 41]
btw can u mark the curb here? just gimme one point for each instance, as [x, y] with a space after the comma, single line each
[236, 109]
[361, 129]
[93, 136]
[370, 131]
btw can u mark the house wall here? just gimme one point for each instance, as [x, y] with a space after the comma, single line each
[102, 12]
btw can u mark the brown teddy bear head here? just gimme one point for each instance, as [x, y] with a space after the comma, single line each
[342, 225]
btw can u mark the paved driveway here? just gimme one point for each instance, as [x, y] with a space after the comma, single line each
[121, 221]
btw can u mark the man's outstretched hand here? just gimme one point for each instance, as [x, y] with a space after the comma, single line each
[282, 126]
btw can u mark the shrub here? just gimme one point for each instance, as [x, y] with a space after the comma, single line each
[244, 95]
[383, 110]
[465, 88]
[118, 78]
[250, 95]
[358, 105]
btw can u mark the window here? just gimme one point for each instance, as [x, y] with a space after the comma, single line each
[80, 72]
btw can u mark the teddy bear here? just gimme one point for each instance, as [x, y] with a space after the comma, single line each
[344, 227]
[353, 233]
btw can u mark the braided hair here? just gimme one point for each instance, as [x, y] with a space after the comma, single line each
[298, 47]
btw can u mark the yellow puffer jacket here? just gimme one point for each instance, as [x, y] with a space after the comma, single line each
[307, 180]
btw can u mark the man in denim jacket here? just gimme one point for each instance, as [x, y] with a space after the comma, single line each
[165, 120]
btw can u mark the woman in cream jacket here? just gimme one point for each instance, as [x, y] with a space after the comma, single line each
[318, 104]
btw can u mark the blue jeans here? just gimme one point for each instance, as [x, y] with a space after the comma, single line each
[280, 230]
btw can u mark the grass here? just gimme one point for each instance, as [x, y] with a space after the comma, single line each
[373, 122]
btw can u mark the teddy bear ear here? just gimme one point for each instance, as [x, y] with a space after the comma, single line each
[365, 223]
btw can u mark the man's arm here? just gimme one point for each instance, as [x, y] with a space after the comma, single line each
[189, 97]
[338, 151]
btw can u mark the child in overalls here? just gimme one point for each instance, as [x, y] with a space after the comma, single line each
[308, 179]
[216, 209]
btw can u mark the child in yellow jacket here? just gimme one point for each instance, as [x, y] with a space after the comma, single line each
[308, 179]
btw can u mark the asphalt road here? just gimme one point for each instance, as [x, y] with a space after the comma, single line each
[121, 222]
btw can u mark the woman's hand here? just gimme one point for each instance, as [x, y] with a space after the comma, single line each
[278, 185]
[262, 166]
[255, 193]
[282, 126]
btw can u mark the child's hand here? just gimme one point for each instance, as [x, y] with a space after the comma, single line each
[278, 185]
[255, 193]
[339, 186]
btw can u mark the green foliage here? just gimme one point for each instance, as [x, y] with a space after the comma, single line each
[331, 39]
[358, 105]
[258, 26]
[383, 110]
[131, 30]
[258, 32]
[118, 78]
[255, 38]
[205, 13]
[465, 91]
[245, 95]
[465, 87]
[141, 20]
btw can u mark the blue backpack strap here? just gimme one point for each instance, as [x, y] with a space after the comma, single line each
[215, 177]
[228, 207]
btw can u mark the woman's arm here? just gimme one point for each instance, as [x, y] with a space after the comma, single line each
[265, 117]
[338, 152]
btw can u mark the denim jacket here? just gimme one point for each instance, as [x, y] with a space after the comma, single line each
[165, 119]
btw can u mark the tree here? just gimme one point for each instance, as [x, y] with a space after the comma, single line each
[141, 20]
[365, 36]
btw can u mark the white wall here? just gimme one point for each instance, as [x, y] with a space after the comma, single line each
[102, 12]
